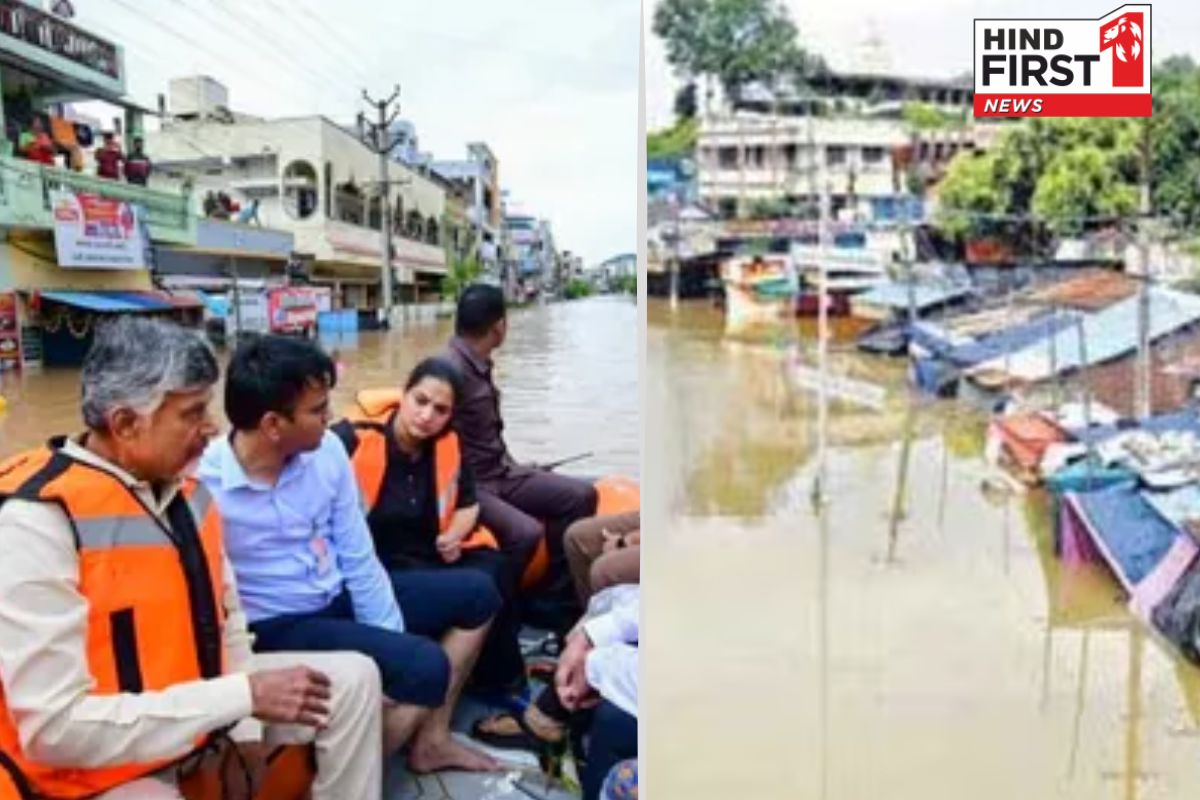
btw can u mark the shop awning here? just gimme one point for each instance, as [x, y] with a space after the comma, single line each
[115, 302]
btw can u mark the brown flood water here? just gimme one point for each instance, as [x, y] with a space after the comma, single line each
[568, 376]
[860, 653]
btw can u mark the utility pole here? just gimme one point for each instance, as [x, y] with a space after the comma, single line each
[823, 242]
[237, 293]
[674, 200]
[377, 138]
[1145, 360]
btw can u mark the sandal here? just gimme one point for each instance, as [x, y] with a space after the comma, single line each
[510, 732]
[542, 671]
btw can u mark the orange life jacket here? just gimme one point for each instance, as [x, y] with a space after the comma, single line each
[143, 580]
[614, 494]
[369, 460]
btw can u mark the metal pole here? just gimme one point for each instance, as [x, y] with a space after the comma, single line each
[675, 255]
[906, 234]
[381, 142]
[237, 299]
[385, 230]
[822, 345]
[1145, 401]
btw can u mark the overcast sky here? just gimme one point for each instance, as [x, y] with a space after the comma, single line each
[923, 37]
[550, 85]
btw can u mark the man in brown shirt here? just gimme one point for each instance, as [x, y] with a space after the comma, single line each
[514, 498]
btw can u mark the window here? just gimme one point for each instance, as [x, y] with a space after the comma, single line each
[872, 155]
[351, 206]
[300, 190]
[727, 157]
[835, 155]
[790, 151]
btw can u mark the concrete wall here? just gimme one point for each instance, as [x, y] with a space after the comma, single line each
[29, 262]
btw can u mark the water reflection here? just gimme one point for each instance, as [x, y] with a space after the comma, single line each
[913, 637]
[568, 375]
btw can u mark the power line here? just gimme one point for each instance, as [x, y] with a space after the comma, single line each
[324, 32]
[283, 58]
[172, 63]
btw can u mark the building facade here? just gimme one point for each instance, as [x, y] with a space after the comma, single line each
[478, 178]
[771, 154]
[317, 181]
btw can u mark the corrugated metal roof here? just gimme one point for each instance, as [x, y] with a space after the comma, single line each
[1110, 333]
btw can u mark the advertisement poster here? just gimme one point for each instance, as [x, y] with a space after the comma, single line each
[294, 309]
[10, 332]
[96, 232]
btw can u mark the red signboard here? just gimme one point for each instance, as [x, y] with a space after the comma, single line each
[293, 309]
[10, 332]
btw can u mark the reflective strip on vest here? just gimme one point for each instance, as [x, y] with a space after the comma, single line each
[444, 496]
[199, 501]
[106, 533]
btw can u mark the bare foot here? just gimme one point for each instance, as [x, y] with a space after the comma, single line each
[428, 756]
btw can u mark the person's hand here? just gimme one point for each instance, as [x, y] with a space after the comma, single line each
[293, 695]
[449, 545]
[612, 541]
[570, 679]
[449, 551]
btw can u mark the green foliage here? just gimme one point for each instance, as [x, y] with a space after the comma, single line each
[679, 139]
[626, 284]
[1065, 170]
[1081, 182]
[732, 41]
[925, 117]
[462, 273]
[971, 186]
[1176, 140]
[577, 288]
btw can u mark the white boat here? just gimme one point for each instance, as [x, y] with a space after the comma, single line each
[759, 288]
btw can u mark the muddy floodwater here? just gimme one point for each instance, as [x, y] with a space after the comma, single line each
[568, 377]
[916, 638]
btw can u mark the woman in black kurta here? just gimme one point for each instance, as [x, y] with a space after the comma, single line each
[405, 521]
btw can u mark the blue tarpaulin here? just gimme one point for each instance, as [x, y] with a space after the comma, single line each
[108, 302]
[1133, 533]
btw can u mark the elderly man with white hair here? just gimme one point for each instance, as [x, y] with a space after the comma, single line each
[124, 656]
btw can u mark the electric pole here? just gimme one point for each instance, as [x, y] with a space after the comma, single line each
[1145, 379]
[377, 137]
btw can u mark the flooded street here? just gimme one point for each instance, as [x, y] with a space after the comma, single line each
[568, 377]
[917, 640]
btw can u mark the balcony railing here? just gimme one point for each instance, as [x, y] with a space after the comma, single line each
[25, 189]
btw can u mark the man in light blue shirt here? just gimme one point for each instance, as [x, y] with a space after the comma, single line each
[305, 562]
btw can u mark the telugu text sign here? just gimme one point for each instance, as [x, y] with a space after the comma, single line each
[94, 232]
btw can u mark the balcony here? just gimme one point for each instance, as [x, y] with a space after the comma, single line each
[25, 189]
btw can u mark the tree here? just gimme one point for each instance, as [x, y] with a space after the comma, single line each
[1175, 176]
[462, 273]
[678, 140]
[1064, 171]
[1046, 168]
[971, 186]
[734, 42]
[685, 102]
[1078, 183]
